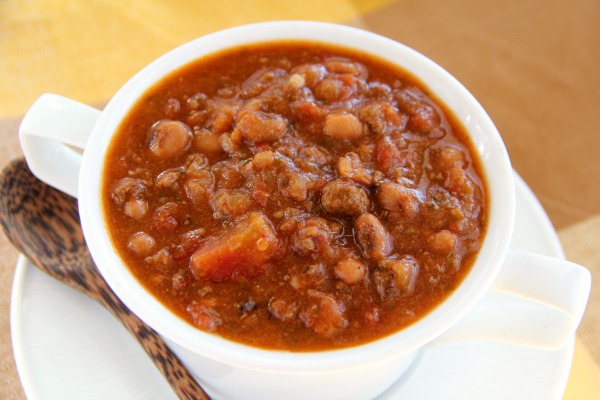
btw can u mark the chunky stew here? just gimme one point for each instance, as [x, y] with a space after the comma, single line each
[294, 196]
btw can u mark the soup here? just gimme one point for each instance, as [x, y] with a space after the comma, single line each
[294, 196]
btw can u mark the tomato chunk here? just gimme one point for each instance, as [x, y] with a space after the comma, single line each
[243, 251]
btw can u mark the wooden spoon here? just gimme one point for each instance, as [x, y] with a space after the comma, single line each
[43, 223]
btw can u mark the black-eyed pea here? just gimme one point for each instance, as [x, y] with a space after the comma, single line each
[141, 244]
[405, 269]
[343, 126]
[169, 139]
[373, 239]
[350, 270]
[169, 177]
[395, 197]
[260, 127]
[136, 209]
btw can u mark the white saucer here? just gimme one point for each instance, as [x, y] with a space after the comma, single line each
[68, 347]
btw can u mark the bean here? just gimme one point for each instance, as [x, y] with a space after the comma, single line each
[312, 235]
[141, 244]
[136, 208]
[169, 139]
[342, 66]
[343, 126]
[372, 237]
[314, 275]
[196, 191]
[350, 270]
[261, 127]
[405, 270]
[394, 197]
[168, 178]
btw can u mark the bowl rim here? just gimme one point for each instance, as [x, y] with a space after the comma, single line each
[447, 89]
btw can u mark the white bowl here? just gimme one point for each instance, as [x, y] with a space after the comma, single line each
[233, 370]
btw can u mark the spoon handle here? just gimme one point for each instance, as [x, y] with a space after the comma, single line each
[43, 224]
[180, 379]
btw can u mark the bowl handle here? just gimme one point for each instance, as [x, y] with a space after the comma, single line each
[536, 301]
[52, 134]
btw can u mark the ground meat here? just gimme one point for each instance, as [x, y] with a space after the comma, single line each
[204, 316]
[344, 198]
[165, 217]
[294, 185]
[283, 310]
[382, 118]
[228, 202]
[160, 260]
[127, 189]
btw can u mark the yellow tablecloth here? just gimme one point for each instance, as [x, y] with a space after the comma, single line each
[533, 64]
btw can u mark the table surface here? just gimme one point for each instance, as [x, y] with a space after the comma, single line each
[533, 65]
